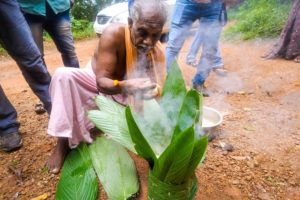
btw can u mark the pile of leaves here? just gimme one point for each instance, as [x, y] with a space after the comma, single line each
[165, 135]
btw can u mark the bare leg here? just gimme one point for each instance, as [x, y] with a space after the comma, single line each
[56, 160]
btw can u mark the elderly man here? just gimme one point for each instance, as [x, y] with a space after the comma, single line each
[128, 62]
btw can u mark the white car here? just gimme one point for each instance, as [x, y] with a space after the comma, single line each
[118, 13]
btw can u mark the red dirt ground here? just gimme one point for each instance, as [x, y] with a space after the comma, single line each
[260, 101]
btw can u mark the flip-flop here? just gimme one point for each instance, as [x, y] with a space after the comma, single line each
[39, 108]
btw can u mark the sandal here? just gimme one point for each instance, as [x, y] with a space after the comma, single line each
[39, 108]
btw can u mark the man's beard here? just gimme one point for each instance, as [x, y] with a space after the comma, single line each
[141, 48]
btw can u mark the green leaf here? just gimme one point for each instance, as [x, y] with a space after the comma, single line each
[78, 180]
[140, 143]
[114, 125]
[175, 158]
[155, 126]
[115, 169]
[198, 156]
[109, 106]
[183, 145]
[158, 189]
[189, 112]
[173, 93]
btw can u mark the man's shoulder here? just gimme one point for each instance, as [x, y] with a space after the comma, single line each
[115, 31]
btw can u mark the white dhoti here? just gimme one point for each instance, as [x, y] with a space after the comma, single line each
[72, 92]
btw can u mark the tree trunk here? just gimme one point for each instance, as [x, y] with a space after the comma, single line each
[288, 46]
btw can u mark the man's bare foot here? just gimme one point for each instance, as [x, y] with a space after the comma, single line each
[297, 59]
[56, 160]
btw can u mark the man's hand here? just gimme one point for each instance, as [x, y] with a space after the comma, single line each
[150, 94]
[140, 86]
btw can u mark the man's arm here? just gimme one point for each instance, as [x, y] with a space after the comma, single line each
[108, 69]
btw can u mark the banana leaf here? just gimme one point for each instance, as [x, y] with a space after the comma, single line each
[160, 190]
[108, 105]
[198, 156]
[189, 112]
[155, 126]
[115, 169]
[173, 162]
[78, 180]
[114, 125]
[173, 93]
[141, 145]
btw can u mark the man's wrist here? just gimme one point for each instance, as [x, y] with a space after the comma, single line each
[116, 83]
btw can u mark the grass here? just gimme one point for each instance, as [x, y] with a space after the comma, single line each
[81, 29]
[258, 19]
[86, 32]
[2, 51]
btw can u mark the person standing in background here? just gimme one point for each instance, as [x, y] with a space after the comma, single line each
[130, 2]
[186, 12]
[16, 38]
[191, 59]
[53, 16]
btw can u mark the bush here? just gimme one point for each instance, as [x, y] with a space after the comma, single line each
[259, 19]
[82, 29]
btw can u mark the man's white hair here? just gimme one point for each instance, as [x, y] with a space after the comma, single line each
[155, 6]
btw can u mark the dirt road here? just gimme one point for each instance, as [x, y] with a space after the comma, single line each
[260, 101]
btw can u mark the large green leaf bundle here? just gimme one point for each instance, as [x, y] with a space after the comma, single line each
[164, 135]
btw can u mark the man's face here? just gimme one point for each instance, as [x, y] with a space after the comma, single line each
[145, 34]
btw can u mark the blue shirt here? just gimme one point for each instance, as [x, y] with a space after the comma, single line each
[38, 7]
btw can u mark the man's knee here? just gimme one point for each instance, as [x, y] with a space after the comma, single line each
[63, 73]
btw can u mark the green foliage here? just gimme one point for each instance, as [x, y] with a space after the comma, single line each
[78, 180]
[173, 166]
[259, 19]
[175, 159]
[141, 145]
[115, 169]
[109, 120]
[85, 10]
[88, 9]
[188, 114]
[173, 91]
[82, 29]
[161, 190]
[155, 126]
[2, 50]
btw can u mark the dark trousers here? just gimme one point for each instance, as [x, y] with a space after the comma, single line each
[16, 38]
[58, 26]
